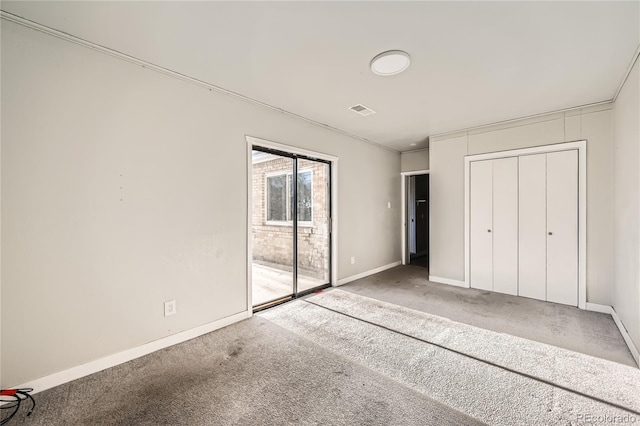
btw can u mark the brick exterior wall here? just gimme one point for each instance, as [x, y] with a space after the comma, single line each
[273, 244]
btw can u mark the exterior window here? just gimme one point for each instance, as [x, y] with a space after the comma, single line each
[305, 197]
[279, 198]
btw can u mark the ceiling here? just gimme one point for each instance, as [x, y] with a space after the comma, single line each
[473, 63]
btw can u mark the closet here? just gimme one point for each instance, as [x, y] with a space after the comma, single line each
[523, 226]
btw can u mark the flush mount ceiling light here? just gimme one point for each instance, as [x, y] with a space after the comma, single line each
[391, 62]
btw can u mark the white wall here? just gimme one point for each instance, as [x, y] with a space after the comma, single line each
[446, 208]
[626, 287]
[413, 161]
[447, 187]
[123, 188]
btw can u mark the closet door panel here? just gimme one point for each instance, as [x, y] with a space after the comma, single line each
[505, 225]
[532, 212]
[562, 227]
[481, 256]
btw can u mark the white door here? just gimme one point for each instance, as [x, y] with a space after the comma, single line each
[562, 227]
[481, 200]
[505, 225]
[532, 239]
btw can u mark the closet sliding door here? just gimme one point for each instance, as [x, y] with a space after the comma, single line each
[562, 227]
[548, 237]
[505, 225]
[532, 241]
[494, 225]
[482, 225]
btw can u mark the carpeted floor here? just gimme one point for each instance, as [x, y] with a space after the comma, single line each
[567, 327]
[338, 358]
[250, 373]
[496, 378]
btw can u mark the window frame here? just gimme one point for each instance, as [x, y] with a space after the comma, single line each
[301, 223]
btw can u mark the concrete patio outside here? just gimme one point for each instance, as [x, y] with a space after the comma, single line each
[271, 283]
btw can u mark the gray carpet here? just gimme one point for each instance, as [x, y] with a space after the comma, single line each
[250, 373]
[484, 391]
[567, 327]
[610, 381]
[340, 359]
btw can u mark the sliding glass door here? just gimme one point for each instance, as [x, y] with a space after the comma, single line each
[291, 226]
[314, 220]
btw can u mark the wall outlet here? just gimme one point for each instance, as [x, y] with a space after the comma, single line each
[169, 308]
[353, 260]
[389, 205]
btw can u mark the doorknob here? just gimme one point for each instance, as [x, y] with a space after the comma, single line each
[488, 230]
[550, 233]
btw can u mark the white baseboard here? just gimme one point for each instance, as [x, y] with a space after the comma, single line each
[440, 280]
[603, 309]
[91, 367]
[626, 337]
[367, 273]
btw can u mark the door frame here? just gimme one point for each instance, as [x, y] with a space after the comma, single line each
[333, 250]
[581, 146]
[404, 229]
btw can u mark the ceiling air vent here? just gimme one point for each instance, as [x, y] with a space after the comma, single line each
[362, 110]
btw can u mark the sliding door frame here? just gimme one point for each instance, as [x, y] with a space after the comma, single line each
[581, 146]
[293, 152]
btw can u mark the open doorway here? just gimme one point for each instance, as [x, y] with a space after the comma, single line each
[415, 194]
[419, 220]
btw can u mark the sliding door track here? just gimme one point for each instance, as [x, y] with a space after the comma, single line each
[282, 300]
[271, 304]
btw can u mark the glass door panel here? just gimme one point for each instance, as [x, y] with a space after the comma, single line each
[314, 221]
[272, 227]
